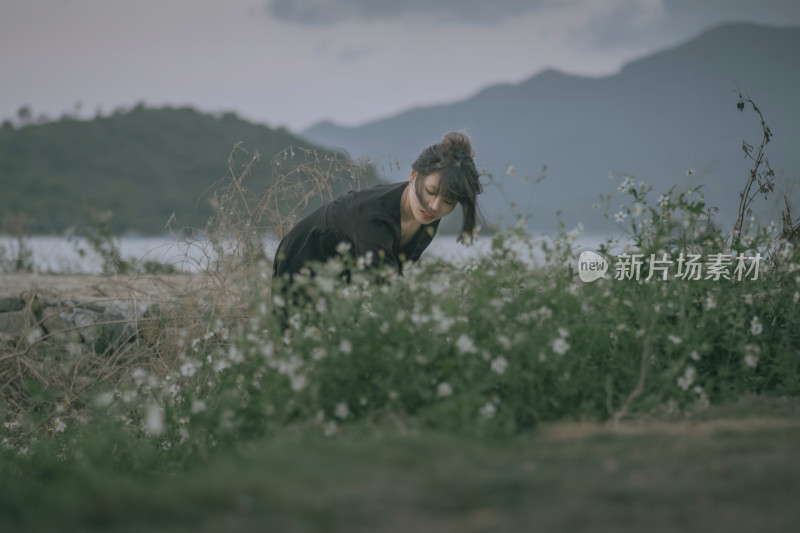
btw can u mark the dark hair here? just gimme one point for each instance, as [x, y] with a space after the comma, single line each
[458, 176]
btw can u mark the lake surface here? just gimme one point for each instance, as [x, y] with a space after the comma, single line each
[60, 255]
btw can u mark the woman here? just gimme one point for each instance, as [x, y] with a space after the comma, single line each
[389, 224]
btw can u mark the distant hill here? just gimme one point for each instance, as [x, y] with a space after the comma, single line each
[143, 164]
[657, 118]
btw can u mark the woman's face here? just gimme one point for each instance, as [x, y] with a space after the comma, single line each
[430, 205]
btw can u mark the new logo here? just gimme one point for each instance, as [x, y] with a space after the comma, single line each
[591, 266]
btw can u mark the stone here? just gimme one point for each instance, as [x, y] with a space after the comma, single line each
[121, 322]
[87, 323]
[13, 323]
[11, 303]
[54, 323]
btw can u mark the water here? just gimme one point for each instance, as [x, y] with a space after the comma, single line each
[60, 255]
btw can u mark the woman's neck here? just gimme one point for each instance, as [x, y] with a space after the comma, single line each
[408, 224]
[406, 214]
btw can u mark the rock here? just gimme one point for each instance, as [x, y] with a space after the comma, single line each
[13, 323]
[82, 309]
[87, 323]
[55, 323]
[11, 303]
[121, 321]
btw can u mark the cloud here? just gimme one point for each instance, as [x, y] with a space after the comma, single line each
[329, 12]
[631, 23]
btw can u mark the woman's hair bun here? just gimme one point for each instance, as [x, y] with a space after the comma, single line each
[457, 145]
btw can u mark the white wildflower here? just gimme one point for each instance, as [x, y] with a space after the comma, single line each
[279, 301]
[345, 346]
[129, 395]
[694, 355]
[444, 389]
[674, 339]
[104, 399]
[499, 365]
[444, 325]
[663, 200]
[560, 346]
[326, 284]
[751, 348]
[268, 350]
[748, 298]
[341, 411]
[58, 425]
[154, 420]
[755, 326]
[343, 247]
[637, 210]
[685, 381]
[563, 332]
[198, 406]
[138, 375]
[188, 369]
[465, 344]
[620, 216]
[711, 302]
[34, 335]
[488, 410]
[235, 355]
[298, 382]
[330, 428]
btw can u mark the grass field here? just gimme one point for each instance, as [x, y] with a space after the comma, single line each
[730, 469]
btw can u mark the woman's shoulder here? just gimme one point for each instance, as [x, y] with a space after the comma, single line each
[381, 202]
[376, 208]
[382, 192]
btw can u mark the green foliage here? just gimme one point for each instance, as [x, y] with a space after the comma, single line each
[490, 349]
[99, 235]
[144, 165]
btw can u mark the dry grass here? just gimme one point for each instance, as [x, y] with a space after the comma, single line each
[55, 370]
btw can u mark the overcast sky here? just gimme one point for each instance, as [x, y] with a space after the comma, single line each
[296, 62]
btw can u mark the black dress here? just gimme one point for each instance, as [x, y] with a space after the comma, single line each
[368, 220]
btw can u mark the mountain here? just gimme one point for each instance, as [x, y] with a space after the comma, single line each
[143, 164]
[658, 117]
